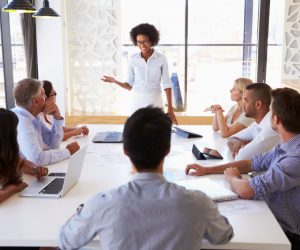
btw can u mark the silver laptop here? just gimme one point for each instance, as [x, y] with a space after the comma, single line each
[211, 188]
[108, 137]
[56, 187]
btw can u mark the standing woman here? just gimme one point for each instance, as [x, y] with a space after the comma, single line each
[11, 164]
[147, 70]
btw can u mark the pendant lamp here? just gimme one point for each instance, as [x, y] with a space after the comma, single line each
[45, 12]
[20, 6]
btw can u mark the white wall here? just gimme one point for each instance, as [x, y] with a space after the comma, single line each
[51, 51]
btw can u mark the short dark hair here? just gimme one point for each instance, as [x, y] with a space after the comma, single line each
[261, 92]
[25, 90]
[145, 29]
[147, 137]
[9, 148]
[286, 105]
[47, 85]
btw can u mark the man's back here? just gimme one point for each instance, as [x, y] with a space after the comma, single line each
[149, 213]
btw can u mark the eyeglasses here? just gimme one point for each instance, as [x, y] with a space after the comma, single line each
[140, 43]
[54, 94]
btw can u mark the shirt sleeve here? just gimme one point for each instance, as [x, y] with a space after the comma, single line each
[54, 136]
[262, 143]
[218, 230]
[165, 78]
[84, 225]
[245, 134]
[284, 175]
[30, 145]
[130, 78]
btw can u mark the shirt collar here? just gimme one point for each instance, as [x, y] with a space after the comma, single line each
[266, 120]
[25, 112]
[290, 144]
[154, 54]
[147, 176]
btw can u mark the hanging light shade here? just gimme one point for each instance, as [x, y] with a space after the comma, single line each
[45, 12]
[20, 6]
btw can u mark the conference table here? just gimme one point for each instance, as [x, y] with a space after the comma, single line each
[37, 221]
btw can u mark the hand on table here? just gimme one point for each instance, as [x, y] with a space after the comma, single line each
[199, 170]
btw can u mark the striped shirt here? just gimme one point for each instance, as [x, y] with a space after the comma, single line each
[279, 186]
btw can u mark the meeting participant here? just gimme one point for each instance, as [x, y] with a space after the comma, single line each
[51, 97]
[278, 178]
[161, 215]
[11, 164]
[259, 137]
[235, 120]
[147, 70]
[37, 142]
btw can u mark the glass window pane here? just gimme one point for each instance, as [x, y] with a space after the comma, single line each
[217, 54]
[209, 21]
[167, 16]
[17, 48]
[275, 39]
[211, 72]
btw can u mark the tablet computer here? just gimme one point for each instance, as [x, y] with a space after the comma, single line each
[206, 153]
[186, 133]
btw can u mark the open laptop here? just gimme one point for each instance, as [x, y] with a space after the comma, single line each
[211, 188]
[108, 137]
[56, 187]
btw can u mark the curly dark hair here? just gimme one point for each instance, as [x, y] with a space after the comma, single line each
[9, 148]
[147, 30]
[47, 85]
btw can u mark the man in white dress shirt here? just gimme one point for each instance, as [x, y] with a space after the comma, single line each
[259, 137]
[37, 142]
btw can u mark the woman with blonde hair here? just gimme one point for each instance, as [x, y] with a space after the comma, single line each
[235, 120]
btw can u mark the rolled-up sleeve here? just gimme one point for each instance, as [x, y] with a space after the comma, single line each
[278, 178]
[165, 78]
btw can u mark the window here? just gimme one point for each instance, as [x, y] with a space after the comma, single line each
[17, 48]
[275, 39]
[221, 44]
[12, 53]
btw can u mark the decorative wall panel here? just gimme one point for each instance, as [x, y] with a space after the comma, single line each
[291, 46]
[93, 50]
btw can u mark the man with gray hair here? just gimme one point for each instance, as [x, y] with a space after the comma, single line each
[37, 142]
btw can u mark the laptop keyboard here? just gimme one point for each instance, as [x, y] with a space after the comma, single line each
[54, 187]
[114, 136]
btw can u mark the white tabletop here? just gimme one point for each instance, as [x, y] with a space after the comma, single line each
[36, 221]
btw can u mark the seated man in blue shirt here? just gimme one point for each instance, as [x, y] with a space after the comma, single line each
[148, 212]
[37, 142]
[279, 185]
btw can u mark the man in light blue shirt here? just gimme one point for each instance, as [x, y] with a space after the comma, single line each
[279, 184]
[148, 212]
[37, 142]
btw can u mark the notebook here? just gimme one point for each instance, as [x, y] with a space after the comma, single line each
[56, 186]
[211, 188]
[186, 133]
[108, 137]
